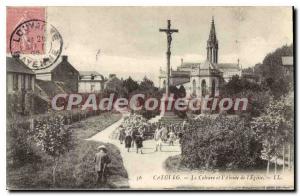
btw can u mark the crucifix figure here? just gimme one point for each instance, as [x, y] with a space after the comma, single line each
[169, 32]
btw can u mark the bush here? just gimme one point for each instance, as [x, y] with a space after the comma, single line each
[20, 147]
[75, 168]
[221, 143]
[75, 171]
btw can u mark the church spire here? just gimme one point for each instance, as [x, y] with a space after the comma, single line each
[212, 34]
[212, 44]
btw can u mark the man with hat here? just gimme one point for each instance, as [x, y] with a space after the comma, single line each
[101, 161]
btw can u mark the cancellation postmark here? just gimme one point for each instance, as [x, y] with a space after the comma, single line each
[36, 43]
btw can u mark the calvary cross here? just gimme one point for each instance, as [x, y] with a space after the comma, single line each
[169, 32]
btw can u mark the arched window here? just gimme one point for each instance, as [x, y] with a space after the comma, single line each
[194, 87]
[213, 88]
[203, 88]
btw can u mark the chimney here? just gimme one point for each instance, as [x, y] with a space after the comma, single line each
[112, 76]
[16, 55]
[45, 60]
[64, 57]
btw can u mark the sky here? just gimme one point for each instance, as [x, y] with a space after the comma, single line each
[130, 43]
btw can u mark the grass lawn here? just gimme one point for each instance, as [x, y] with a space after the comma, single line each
[173, 164]
[76, 168]
[89, 127]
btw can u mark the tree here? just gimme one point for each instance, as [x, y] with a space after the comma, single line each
[237, 85]
[272, 71]
[114, 85]
[54, 139]
[130, 85]
[20, 146]
[146, 84]
[277, 87]
[224, 142]
[273, 128]
[272, 63]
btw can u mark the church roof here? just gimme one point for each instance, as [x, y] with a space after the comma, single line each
[207, 65]
[228, 66]
[206, 68]
[17, 66]
[189, 65]
[180, 73]
[180, 82]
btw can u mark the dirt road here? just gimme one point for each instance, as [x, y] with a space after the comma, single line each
[141, 168]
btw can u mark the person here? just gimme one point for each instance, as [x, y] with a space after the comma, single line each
[122, 135]
[180, 133]
[139, 142]
[134, 132]
[101, 161]
[172, 138]
[128, 140]
[157, 138]
[164, 134]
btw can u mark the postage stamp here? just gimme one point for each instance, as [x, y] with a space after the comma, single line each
[33, 41]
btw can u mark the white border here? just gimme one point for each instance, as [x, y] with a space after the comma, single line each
[4, 3]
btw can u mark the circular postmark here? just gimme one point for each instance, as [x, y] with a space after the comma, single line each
[36, 44]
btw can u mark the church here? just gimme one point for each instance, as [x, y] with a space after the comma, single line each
[200, 79]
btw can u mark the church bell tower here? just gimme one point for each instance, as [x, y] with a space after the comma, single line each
[212, 44]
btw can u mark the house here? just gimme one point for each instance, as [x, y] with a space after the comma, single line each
[19, 76]
[63, 72]
[288, 63]
[20, 83]
[90, 82]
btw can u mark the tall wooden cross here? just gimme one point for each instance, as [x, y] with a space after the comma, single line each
[169, 32]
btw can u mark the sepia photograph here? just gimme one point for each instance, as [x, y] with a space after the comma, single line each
[150, 98]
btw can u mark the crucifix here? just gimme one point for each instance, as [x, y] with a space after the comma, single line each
[169, 32]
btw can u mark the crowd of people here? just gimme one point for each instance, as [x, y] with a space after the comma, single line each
[135, 129]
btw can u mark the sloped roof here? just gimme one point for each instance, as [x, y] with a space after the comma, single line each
[207, 65]
[88, 73]
[63, 61]
[183, 81]
[51, 88]
[179, 73]
[48, 69]
[228, 66]
[189, 65]
[17, 66]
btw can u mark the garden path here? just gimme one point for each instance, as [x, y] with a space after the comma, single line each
[141, 168]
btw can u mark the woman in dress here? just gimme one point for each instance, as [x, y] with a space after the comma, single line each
[139, 142]
[128, 140]
[164, 134]
[157, 138]
[172, 137]
[122, 134]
